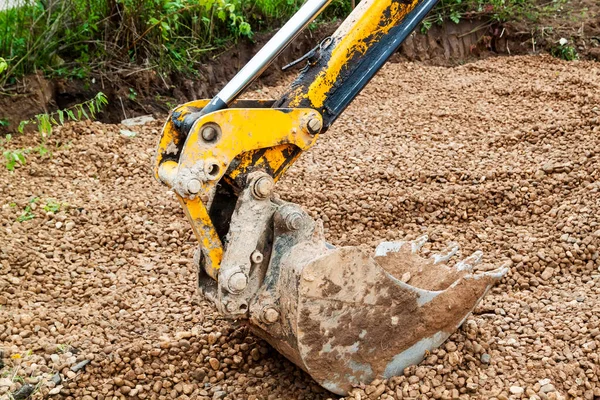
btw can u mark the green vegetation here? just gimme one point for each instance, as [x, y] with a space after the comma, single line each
[493, 11]
[14, 157]
[72, 38]
[564, 51]
[27, 213]
[52, 206]
[87, 110]
[17, 157]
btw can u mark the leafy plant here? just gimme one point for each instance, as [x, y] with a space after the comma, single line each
[494, 10]
[52, 206]
[28, 214]
[14, 158]
[4, 122]
[3, 65]
[87, 110]
[564, 51]
[132, 94]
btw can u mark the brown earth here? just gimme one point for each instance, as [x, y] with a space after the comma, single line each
[499, 155]
[475, 37]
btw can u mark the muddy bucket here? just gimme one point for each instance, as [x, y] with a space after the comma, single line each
[347, 318]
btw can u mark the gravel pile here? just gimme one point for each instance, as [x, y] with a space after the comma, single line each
[97, 296]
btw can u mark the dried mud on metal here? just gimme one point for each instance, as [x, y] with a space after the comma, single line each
[97, 289]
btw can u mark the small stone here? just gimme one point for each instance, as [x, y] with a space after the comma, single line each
[69, 225]
[79, 366]
[547, 388]
[405, 277]
[486, 358]
[453, 358]
[55, 390]
[516, 390]
[378, 391]
[127, 133]
[24, 392]
[219, 395]
[56, 378]
[547, 274]
[214, 364]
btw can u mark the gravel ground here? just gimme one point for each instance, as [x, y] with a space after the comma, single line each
[500, 155]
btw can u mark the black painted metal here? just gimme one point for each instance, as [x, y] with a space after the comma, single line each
[359, 71]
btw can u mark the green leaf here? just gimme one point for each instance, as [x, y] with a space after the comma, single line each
[455, 17]
[22, 126]
[3, 65]
[61, 117]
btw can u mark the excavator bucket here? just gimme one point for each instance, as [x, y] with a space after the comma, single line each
[343, 316]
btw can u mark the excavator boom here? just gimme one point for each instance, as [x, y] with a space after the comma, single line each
[344, 317]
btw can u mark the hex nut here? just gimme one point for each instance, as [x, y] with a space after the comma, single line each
[270, 315]
[237, 282]
[314, 126]
[263, 187]
[209, 133]
[294, 221]
[193, 186]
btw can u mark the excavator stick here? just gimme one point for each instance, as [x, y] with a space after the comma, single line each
[343, 316]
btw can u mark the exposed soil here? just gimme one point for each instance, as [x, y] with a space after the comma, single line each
[499, 155]
[137, 91]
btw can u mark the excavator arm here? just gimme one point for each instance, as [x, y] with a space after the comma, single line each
[265, 262]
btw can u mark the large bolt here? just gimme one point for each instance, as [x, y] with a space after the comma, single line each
[237, 282]
[209, 133]
[193, 186]
[294, 221]
[314, 126]
[263, 187]
[270, 315]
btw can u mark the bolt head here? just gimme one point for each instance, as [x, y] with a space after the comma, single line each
[193, 186]
[237, 282]
[294, 221]
[270, 315]
[263, 187]
[314, 126]
[209, 133]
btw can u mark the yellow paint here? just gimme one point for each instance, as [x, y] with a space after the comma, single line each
[243, 131]
[370, 27]
[274, 157]
[205, 233]
[169, 133]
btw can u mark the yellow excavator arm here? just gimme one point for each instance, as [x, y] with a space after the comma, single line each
[265, 262]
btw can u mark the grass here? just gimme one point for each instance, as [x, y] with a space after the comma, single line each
[15, 158]
[494, 11]
[76, 38]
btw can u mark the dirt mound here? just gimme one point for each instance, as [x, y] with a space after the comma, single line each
[500, 155]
